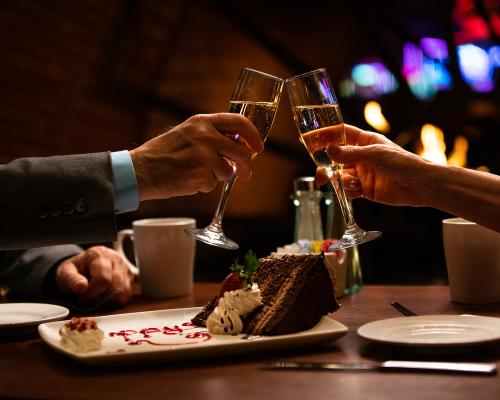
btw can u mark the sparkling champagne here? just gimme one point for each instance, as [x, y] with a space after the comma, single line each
[260, 113]
[319, 126]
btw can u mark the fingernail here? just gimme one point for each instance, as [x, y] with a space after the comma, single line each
[354, 185]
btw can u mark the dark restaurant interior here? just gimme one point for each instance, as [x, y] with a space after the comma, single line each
[89, 76]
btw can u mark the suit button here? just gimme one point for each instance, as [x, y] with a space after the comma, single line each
[42, 213]
[81, 205]
[56, 210]
[68, 208]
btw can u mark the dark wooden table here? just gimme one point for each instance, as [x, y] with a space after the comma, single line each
[31, 370]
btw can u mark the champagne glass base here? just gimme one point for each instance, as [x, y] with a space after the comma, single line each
[213, 236]
[354, 237]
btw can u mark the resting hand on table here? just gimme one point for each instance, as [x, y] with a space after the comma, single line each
[191, 157]
[378, 169]
[93, 273]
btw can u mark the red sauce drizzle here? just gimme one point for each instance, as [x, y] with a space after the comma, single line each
[176, 330]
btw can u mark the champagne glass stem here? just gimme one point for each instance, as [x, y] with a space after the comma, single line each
[335, 175]
[221, 207]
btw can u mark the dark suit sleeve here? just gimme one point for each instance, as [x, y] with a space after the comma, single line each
[25, 273]
[56, 200]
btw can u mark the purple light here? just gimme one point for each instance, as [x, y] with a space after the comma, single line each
[413, 60]
[435, 48]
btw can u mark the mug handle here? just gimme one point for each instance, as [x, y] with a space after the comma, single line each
[118, 246]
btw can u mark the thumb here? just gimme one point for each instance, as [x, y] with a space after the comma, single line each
[69, 280]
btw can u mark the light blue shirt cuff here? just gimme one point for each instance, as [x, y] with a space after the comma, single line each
[126, 190]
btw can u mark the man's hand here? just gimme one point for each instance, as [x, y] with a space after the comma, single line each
[94, 272]
[192, 157]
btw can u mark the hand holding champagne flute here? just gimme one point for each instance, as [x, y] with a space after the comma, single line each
[256, 96]
[317, 115]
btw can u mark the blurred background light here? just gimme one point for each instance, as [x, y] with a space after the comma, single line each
[435, 48]
[458, 156]
[368, 80]
[475, 67]
[374, 116]
[433, 145]
[494, 54]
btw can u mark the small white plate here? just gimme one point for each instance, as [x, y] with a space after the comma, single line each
[433, 330]
[168, 335]
[23, 317]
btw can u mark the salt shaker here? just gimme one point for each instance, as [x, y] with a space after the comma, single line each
[306, 200]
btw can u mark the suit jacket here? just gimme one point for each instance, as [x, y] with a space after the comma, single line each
[30, 274]
[56, 200]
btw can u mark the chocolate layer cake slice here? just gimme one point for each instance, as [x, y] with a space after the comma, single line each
[297, 290]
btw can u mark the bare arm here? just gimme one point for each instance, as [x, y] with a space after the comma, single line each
[377, 169]
[470, 194]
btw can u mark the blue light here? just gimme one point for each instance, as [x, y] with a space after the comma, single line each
[494, 53]
[437, 74]
[475, 67]
[364, 75]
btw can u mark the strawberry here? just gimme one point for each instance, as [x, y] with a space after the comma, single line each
[231, 282]
[241, 275]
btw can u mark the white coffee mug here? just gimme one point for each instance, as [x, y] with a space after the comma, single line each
[164, 255]
[473, 261]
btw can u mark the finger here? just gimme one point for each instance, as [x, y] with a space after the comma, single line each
[69, 280]
[221, 169]
[101, 275]
[238, 153]
[351, 183]
[360, 137]
[349, 170]
[321, 177]
[229, 123]
[122, 282]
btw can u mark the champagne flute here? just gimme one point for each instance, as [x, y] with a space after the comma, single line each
[317, 115]
[256, 96]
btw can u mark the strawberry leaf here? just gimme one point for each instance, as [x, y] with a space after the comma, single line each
[250, 265]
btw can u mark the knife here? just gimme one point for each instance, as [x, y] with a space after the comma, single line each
[454, 367]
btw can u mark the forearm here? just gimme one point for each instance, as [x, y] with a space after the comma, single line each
[57, 200]
[470, 194]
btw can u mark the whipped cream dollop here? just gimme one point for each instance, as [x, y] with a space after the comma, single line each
[226, 319]
[81, 335]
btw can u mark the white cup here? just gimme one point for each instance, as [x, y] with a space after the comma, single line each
[164, 255]
[473, 261]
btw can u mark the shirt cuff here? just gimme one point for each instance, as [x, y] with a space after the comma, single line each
[126, 190]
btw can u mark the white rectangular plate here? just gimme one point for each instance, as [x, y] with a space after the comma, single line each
[168, 335]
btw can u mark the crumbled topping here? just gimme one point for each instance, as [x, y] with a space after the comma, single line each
[81, 324]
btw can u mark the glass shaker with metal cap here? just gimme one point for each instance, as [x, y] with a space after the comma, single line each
[306, 199]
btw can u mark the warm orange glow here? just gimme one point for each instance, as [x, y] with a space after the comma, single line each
[433, 144]
[483, 168]
[458, 156]
[433, 147]
[374, 116]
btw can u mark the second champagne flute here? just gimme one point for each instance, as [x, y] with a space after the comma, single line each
[318, 118]
[256, 96]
